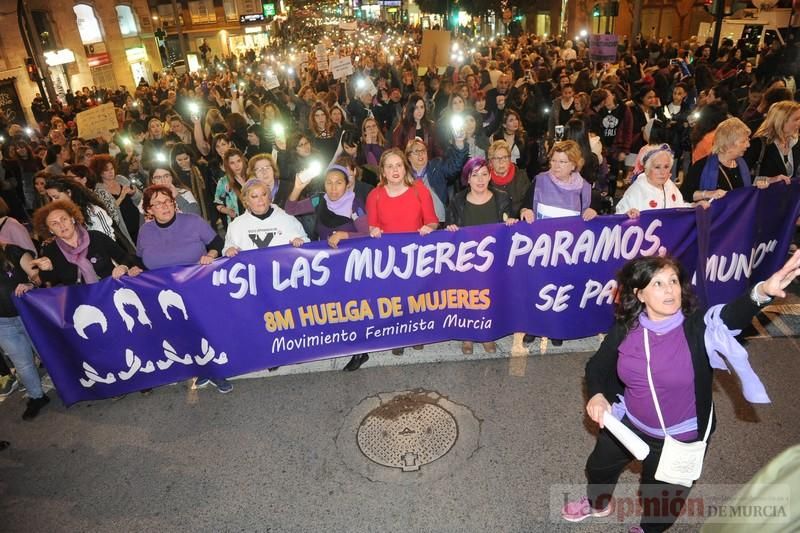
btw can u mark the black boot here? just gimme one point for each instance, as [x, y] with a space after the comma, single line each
[355, 362]
[34, 406]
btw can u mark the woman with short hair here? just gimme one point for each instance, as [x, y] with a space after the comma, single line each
[713, 176]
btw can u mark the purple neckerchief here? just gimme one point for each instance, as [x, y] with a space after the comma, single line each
[343, 206]
[574, 183]
[719, 338]
[710, 174]
[373, 153]
[620, 410]
[275, 189]
[662, 326]
[78, 255]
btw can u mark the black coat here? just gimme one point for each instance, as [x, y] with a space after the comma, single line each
[455, 209]
[772, 164]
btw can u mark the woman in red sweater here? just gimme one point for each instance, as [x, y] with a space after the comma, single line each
[399, 203]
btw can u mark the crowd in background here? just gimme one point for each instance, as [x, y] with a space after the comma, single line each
[264, 149]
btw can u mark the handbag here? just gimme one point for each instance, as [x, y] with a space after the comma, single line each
[681, 463]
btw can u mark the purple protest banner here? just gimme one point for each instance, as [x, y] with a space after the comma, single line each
[287, 305]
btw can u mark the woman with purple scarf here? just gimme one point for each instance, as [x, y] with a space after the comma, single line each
[339, 215]
[654, 374]
[77, 255]
[560, 191]
[725, 169]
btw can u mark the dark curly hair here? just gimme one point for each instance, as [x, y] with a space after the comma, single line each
[635, 276]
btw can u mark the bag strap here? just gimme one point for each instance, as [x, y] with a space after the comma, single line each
[653, 391]
[757, 168]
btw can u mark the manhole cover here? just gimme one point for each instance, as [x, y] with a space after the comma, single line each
[408, 432]
[408, 436]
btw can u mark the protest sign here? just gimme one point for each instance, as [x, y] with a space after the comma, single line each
[603, 48]
[435, 49]
[271, 81]
[279, 306]
[97, 121]
[348, 26]
[341, 67]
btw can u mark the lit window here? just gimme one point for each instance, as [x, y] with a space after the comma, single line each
[127, 21]
[88, 25]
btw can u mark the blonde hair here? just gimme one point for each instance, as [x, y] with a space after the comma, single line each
[777, 117]
[571, 150]
[498, 145]
[250, 173]
[728, 131]
[408, 178]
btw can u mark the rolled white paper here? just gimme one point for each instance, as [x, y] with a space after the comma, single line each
[626, 437]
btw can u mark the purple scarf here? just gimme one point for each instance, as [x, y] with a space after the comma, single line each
[77, 255]
[574, 183]
[343, 206]
[662, 326]
[718, 338]
[710, 174]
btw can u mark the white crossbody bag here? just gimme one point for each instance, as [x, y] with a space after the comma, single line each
[681, 463]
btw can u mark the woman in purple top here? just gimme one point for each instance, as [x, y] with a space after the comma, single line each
[657, 364]
[339, 215]
[173, 238]
[561, 191]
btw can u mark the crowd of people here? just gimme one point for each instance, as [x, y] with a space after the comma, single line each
[265, 149]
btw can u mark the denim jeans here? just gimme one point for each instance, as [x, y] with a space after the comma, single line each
[15, 343]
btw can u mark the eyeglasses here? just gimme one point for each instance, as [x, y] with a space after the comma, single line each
[418, 152]
[159, 205]
[263, 169]
[500, 159]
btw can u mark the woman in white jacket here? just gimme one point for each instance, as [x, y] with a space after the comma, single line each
[653, 188]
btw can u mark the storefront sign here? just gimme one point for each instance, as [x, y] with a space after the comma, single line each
[135, 55]
[59, 57]
[98, 60]
[9, 102]
[251, 19]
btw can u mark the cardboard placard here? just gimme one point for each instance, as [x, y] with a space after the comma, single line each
[322, 65]
[348, 26]
[271, 81]
[341, 67]
[435, 48]
[97, 121]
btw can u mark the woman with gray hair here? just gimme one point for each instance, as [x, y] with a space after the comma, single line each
[725, 169]
[653, 188]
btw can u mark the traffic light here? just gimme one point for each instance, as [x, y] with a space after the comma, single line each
[596, 10]
[33, 70]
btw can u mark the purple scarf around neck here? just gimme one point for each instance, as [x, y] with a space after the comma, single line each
[662, 326]
[574, 183]
[78, 255]
[343, 206]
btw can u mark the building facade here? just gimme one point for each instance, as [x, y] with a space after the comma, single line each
[83, 43]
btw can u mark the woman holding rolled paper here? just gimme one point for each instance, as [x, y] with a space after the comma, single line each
[656, 367]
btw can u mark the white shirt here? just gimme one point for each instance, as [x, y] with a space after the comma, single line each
[643, 196]
[248, 232]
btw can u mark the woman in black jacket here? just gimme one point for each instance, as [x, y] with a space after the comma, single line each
[655, 310]
[774, 150]
[475, 205]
